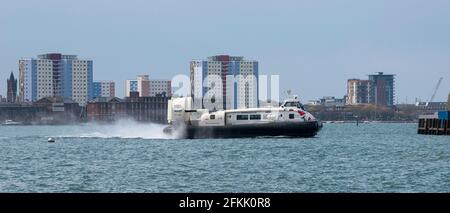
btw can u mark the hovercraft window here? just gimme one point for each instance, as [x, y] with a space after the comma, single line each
[291, 116]
[241, 117]
[212, 117]
[255, 117]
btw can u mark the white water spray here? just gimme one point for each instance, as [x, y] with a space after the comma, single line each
[121, 129]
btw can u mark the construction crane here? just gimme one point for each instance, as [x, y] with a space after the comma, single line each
[436, 89]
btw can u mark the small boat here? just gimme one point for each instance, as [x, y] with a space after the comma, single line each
[290, 120]
[11, 123]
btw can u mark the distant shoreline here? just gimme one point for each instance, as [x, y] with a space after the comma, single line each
[110, 123]
[368, 122]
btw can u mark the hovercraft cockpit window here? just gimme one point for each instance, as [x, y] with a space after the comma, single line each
[293, 104]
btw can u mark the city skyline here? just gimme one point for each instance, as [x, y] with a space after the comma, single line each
[314, 47]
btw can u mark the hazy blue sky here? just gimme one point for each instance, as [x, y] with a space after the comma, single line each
[314, 45]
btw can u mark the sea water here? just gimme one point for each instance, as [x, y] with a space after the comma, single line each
[133, 157]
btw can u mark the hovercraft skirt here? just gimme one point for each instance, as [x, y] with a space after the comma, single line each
[290, 129]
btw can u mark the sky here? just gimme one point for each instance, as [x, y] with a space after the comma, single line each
[315, 45]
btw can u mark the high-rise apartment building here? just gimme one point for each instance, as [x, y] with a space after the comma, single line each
[224, 82]
[55, 75]
[141, 85]
[382, 89]
[104, 89]
[148, 88]
[160, 88]
[357, 91]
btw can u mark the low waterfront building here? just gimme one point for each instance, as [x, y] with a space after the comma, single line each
[313, 103]
[106, 109]
[60, 110]
[143, 109]
[44, 111]
[328, 101]
[24, 113]
[153, 109]
[430, 107]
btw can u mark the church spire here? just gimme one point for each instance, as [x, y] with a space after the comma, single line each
[11, 77]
